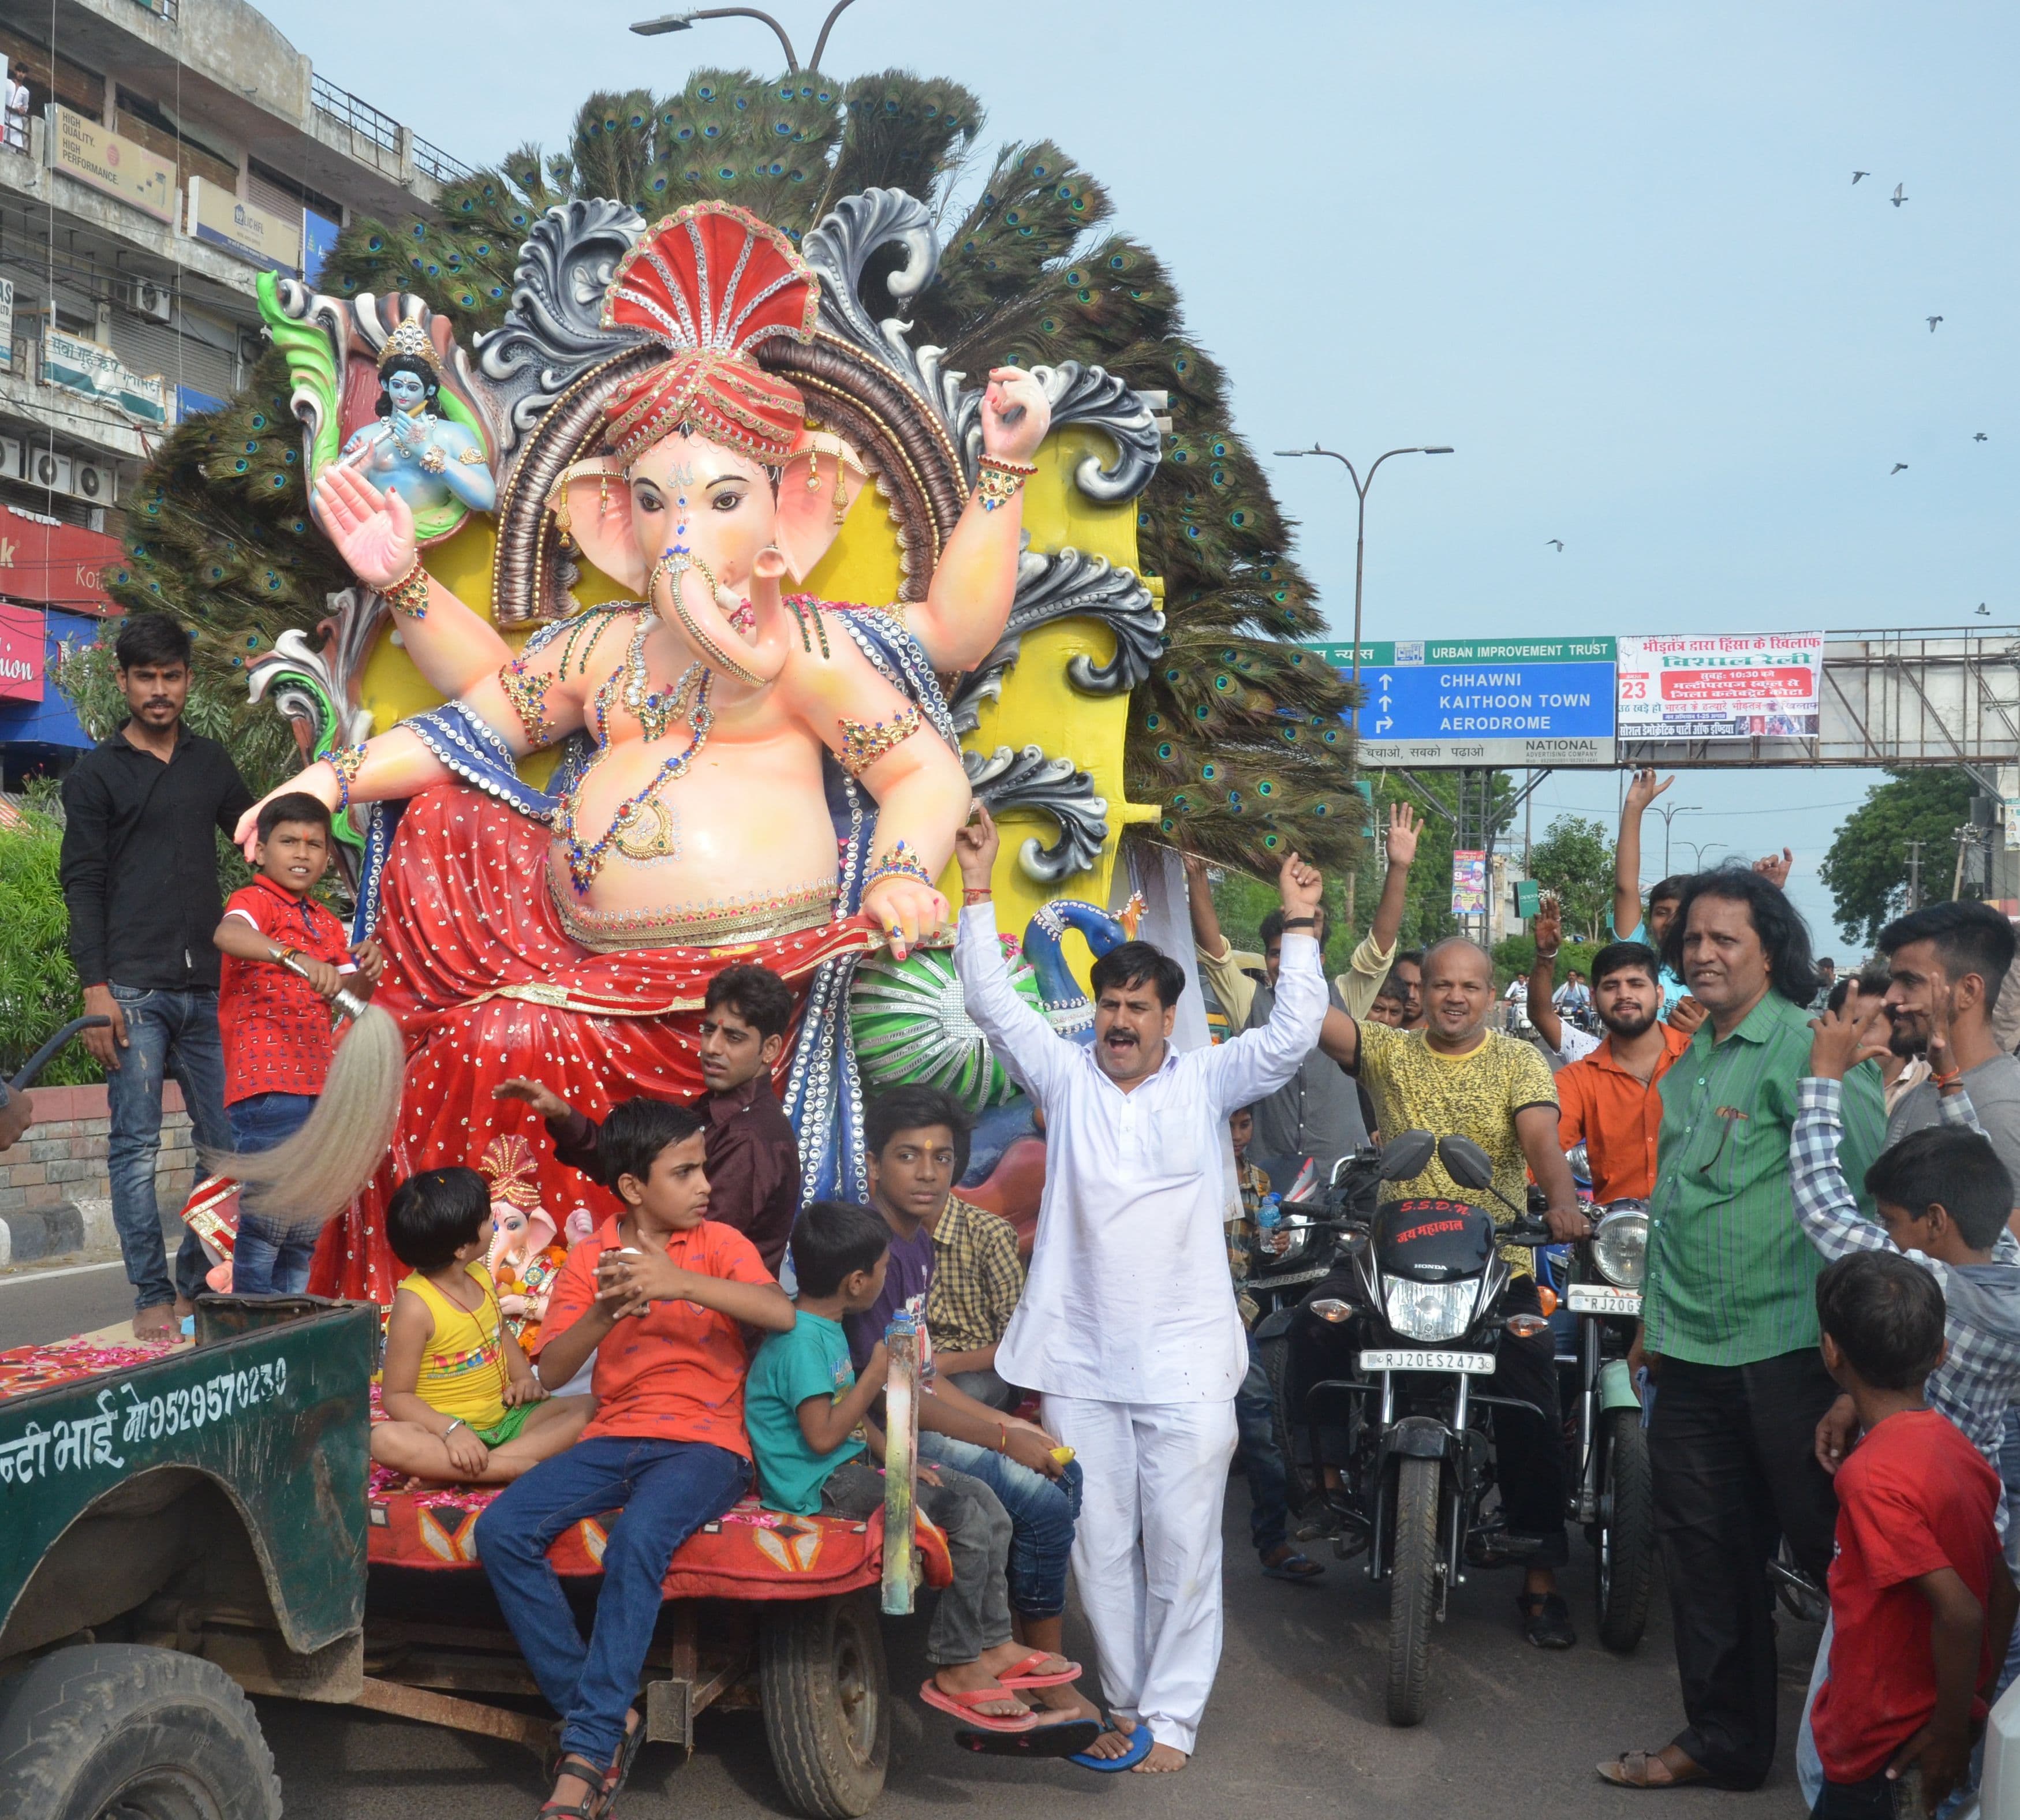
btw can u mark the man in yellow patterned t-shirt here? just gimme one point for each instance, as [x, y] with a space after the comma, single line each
[1455, 1078]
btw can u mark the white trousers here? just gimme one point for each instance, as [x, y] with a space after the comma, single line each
[1147, 1553]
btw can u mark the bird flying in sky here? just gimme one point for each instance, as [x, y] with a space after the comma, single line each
[1933, 321]
[1900, 194]
[1898, 467]
[1556, 543]
[1981, 437]
[1983, 608]
[1857, 175]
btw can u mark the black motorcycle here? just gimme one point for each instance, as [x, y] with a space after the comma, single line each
[1612, 1492]
[1407, 1436]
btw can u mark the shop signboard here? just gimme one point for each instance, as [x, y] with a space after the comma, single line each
[79, 365]
[23, 632]
[1468, 893]
[260, 237]
[81, 148]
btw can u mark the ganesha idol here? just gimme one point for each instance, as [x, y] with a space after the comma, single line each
[569, 933]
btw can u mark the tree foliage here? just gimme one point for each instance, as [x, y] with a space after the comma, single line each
[1575, 859]
[1866, 868]
[39, 986]
[1237, 732]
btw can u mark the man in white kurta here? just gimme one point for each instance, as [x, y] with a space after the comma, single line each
[1127, 1325]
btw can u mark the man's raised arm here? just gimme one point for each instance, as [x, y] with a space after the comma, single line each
[1258, 1061]
[1627, 851]
[1027, 1045]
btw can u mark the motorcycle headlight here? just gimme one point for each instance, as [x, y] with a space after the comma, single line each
[1430, 1311]
[1620, 1246]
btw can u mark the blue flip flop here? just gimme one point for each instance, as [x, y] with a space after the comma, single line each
[1140, 1742]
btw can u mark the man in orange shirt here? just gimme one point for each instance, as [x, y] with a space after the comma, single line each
[1607, 1099]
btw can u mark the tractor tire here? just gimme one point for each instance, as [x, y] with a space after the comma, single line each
[141, 1734]
[1413, 1589]
[827, 1707]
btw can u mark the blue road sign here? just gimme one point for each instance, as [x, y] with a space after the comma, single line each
[1480, 702]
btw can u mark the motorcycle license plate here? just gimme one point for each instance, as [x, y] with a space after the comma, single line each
[1398, 1359]
[1601, 1299]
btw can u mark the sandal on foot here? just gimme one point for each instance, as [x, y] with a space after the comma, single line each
[1068, 1738]
[1017, 1675]
[1297, 1568]
[1630, 1769]
[619, 1771]
[964, 1706]
[1546, 1620]
[591, 1806]
[1140, 1742]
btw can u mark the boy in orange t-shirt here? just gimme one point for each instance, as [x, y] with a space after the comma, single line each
[661, 1296]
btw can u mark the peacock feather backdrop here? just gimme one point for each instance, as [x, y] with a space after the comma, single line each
[1236, 733]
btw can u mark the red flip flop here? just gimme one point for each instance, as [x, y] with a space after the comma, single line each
[963, 1706]
[1014, 1676]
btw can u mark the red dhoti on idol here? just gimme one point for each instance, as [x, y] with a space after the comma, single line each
[487, 984]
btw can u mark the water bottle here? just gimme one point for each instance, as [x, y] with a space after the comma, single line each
[1270, 1214]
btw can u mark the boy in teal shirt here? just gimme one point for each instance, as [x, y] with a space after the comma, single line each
[808, 1413]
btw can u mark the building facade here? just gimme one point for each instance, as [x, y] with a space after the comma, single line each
[156, 156]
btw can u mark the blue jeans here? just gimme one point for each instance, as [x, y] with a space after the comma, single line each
[171, 1035]
[271, 1258]
[1043, 1514]
[1262, 1460]
[668, 1490]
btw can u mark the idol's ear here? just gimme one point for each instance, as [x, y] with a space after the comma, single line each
[592, 506]
[818, 488]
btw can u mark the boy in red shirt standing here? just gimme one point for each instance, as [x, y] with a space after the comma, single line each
[285, 957]
[1921, 1603]
[661, 1296]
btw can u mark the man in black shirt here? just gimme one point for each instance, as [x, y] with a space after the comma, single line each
[140, 875]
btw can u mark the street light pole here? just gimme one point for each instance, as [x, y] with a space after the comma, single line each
[1360, 562]
[685, 22]
[1360, 537]
[1673, 809]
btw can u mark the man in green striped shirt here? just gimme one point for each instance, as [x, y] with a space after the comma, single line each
[1730, 1323]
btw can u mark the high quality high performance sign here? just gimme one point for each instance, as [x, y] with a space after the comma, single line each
[1487, 702]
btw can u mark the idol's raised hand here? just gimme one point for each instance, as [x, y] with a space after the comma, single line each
[373, 532]
[1016, 414]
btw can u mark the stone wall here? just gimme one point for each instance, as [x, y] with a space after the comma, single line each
[54, 1194]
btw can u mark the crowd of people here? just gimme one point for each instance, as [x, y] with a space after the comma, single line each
[1829, 1351]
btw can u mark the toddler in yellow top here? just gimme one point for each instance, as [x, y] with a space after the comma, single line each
[464, 1404]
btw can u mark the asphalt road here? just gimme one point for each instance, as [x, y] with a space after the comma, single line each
[1295, 1726]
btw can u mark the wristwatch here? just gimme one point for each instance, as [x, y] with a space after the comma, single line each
[1301, 922]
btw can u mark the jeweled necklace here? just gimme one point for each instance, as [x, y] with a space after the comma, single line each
[586, 861]
[654, 710]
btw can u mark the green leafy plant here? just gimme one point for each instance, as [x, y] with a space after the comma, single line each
[1866, 868]
[1574, 858]
[39, 986]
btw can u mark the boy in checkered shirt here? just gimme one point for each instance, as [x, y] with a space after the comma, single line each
[285, 957]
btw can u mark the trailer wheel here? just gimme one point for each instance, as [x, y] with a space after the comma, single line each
[827, 1709]
[142, 1734]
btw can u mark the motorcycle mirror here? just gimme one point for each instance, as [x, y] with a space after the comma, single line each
[1408, 1154]
[1466, 1163]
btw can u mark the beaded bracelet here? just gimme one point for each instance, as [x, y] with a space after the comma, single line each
[902, 861]
[346, 761]
[998, 480]
[408, 596]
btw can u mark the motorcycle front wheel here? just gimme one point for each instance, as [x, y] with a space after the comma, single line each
[1301, 1475]
[1413, 1589]
[1626, 1557]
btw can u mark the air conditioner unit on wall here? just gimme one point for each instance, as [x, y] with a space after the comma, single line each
[155, 302]
[11, 458]
[48, 469]
[93, 483]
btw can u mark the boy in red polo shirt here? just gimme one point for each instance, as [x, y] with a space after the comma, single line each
[285, 957]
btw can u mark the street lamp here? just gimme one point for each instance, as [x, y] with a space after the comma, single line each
[1673, 809]
[1697, 851]
[1359, 538]
[685, 22]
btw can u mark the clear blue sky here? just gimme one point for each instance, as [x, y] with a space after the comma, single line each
[1611, 252]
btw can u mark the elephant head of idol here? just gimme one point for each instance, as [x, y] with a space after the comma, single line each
[712, 489]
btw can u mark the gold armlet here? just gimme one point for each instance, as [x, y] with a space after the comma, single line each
[408, 596]
[999, 480]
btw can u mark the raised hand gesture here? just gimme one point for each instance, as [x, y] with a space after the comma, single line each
[975, 848]
[1942, 1062]
[1300, 886]
[1846, 1037]
[1405, 824]
[1016, 414]
[1547, 926]
[1774, 868]
[1645, 789]
[373, 532]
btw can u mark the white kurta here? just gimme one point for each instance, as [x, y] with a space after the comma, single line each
[1129, 1298]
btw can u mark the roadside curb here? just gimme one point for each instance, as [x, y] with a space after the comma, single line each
[28, 1235]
